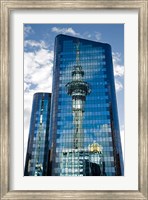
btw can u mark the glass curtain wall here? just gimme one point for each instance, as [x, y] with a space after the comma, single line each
[100, 125]
[38, 142]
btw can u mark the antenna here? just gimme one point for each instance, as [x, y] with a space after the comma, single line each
[77, 53]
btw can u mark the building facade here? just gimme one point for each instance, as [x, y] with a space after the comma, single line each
[85, 136]
[83, 162]
[37, 157]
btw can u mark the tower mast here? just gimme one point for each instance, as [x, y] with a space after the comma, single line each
[78, 89]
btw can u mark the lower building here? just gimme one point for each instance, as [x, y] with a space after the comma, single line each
[83, 162]
[37, 157]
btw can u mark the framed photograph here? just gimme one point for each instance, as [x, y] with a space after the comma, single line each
[62, 37]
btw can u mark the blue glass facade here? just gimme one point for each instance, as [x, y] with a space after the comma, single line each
[37, 156]
[97, 122]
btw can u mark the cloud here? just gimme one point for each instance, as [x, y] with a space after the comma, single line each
[33, 43]
[118, 85]
[69, 30]
[96, 36]
[118, 71]
[38, 71]
[28, 30]
[118, 68]
[87, 35]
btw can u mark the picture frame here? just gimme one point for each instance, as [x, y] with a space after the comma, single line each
[6, 7]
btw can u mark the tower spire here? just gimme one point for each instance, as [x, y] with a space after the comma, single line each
[78, 89]
[77, 54]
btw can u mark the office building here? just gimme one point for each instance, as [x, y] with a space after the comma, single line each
[37, 157]
[85, 136]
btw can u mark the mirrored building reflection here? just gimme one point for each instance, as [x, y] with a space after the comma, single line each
[37, 157]
[84, 119]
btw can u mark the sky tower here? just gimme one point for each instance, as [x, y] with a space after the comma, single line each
[78, 89]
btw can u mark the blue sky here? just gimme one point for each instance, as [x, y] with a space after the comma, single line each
[38, 60]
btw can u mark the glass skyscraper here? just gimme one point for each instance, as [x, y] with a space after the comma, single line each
[37, 157]
[84, 128]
